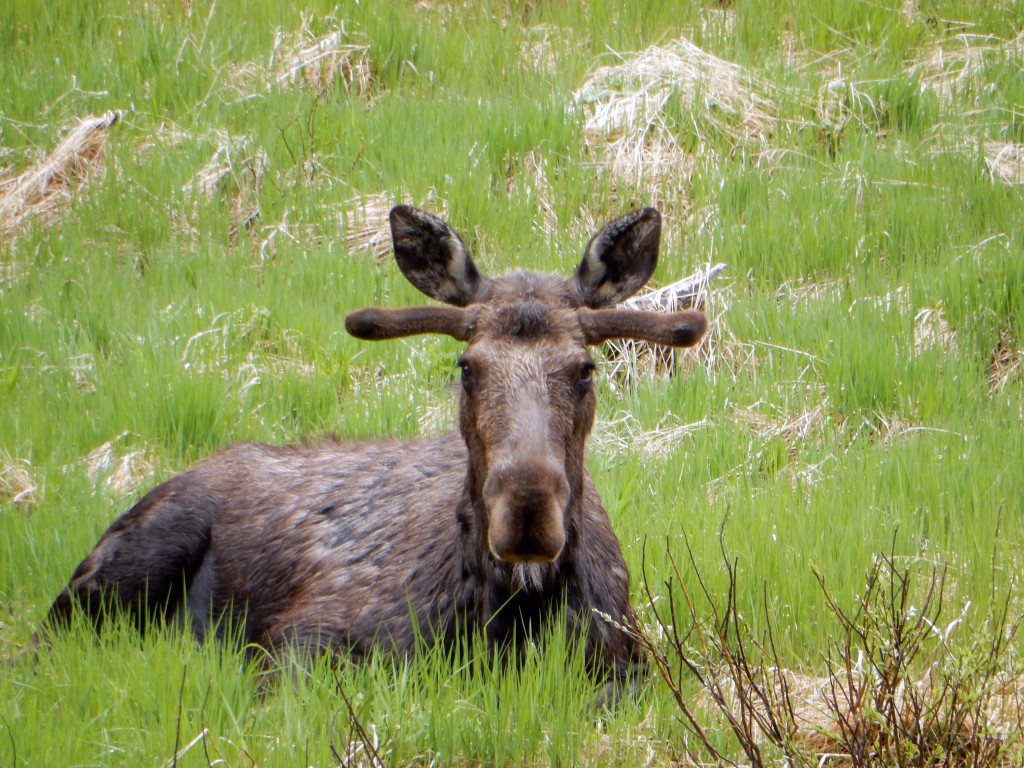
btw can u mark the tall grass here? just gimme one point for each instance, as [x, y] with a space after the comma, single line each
[864, 394]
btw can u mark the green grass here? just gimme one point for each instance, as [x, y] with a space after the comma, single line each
[139, 316]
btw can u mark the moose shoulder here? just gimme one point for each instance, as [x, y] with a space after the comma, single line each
[494, 528]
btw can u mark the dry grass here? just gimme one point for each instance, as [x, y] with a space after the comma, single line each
[826, 711]
[45, 190]
[357, 226]
[365, 225]
[364, 221]
[804, 291]
[888, 428]
[1007, 362]
[932, 331]
[119, 471]
[631, 97]
[950, 68]
[629, 359]
[794, 430]
[1005, 161]
[542, 46]
[531, 180]
[16, 483]
[625, 435]
[627, 107]
[320, 62]
[904, 686]
[235, 170]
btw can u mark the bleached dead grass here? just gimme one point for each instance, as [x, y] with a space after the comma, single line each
[888, 428]
[365, 224]
[631, 96]
[235, 170]
[320, 62]
[768, 422]
[17, 485]
[531, 180]
[1005, 161]
[356, 226]
[626, 108]
[1007, 363]
[624, 434]
[956, 64]
[804, 291]
[543, 45]
[932, 331]
[44, 191]
[629, 359]
[119, 470]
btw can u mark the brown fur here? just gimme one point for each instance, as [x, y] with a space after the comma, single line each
[342, 547]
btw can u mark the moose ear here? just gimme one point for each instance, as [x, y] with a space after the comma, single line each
[619, 259]
[434, 259]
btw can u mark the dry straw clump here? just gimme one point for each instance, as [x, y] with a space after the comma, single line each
[1005, 161]
[366, 226]
[632, 96]
[16, 483]
[950, 68]
[320, 62]
[356, 226]
[1007, 362]
[119, 471]
[364, 221]
[625, 435]
[235, 169]
[626, 106]
[629, 359]
[43, 191]
[932, 331]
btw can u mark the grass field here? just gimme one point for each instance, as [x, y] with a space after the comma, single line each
[174, 275]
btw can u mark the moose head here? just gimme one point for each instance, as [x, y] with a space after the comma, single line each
[527, 403]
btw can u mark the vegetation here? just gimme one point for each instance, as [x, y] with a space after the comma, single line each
[192, 197]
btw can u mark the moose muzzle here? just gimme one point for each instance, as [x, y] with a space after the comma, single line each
[526, 506]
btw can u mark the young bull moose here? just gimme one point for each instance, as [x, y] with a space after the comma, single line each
[343, 546]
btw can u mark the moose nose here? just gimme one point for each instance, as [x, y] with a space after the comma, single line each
[526, 505]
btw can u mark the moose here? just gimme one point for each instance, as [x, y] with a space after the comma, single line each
[343, 547]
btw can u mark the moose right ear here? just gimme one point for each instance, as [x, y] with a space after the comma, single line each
[433, 257]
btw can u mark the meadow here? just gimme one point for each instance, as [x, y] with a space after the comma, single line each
[193, 195]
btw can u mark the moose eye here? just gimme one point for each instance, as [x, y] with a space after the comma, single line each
[586, 379]
[468, 379]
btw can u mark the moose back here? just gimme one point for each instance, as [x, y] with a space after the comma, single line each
[340, 547]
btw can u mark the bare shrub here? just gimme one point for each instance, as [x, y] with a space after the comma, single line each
[903, 685]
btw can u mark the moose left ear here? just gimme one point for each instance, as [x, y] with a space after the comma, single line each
[619, 259]
[433, 257]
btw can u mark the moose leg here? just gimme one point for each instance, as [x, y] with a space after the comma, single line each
[144, 562]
